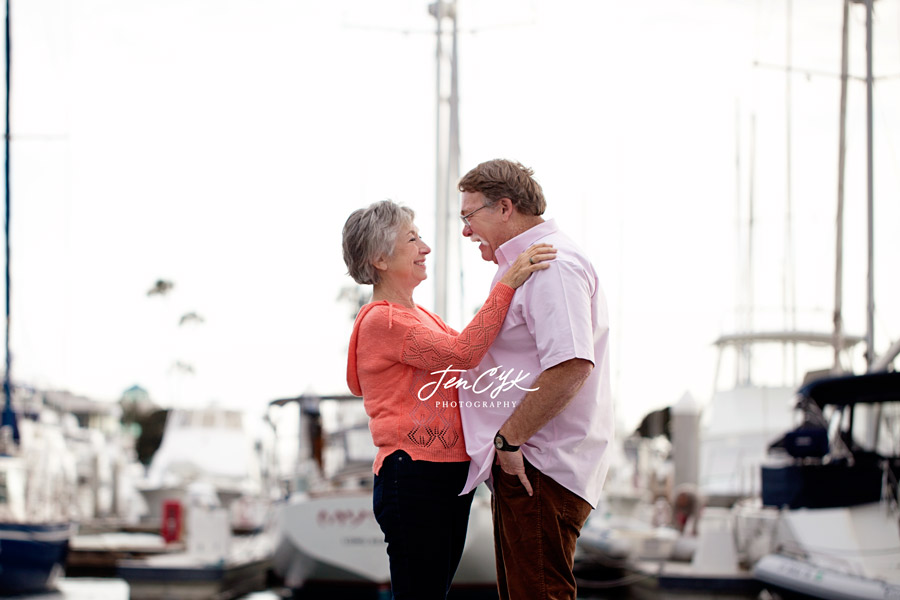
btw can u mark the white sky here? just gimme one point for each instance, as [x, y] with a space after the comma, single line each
[221, 144]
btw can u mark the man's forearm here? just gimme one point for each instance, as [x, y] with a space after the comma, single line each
[557, 387]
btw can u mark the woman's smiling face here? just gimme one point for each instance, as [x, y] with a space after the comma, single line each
[407, 264]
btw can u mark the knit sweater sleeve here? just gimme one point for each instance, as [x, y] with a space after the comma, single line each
[407, 340]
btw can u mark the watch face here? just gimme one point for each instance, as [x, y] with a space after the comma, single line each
[498, 442]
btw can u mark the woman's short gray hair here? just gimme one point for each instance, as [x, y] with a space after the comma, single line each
[369, 234]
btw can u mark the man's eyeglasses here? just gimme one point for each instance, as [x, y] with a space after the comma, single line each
[465, 218]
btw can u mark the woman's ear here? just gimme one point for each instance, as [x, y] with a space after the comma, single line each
[380, 263]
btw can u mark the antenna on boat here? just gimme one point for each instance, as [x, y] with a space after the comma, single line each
[9, 416]
[745, 290]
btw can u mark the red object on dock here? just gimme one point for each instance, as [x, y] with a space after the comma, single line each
[172, 513]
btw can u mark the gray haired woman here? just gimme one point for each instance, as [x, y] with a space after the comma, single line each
[407, 364]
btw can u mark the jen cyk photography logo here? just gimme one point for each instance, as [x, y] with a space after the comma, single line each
[493, 381]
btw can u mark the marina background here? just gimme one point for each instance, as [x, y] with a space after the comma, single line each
[220, 144]
[180, 172]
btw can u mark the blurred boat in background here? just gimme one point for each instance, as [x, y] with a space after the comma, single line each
[212, 563]
[328, 537]
[210, 456]
[37, 497]
[836, 485]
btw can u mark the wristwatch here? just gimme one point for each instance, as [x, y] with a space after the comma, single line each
[500, 443]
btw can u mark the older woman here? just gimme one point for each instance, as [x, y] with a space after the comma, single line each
[407, 363]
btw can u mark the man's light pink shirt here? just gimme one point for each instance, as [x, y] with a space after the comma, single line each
[557, 315]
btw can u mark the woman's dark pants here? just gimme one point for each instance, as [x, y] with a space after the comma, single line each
[424, 520]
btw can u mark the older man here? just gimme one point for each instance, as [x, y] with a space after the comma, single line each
[536, 412]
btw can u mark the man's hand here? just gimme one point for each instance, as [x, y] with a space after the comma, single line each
[555, 388]
[513, 463]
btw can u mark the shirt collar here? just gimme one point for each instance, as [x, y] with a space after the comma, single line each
[511, 249]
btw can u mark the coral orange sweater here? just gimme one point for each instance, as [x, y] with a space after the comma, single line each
[394, 354]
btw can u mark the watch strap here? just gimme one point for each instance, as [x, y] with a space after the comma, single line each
[504, 445]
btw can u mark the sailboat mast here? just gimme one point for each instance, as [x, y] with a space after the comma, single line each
[740, 281]
[8, 418]
[870, 283]
[7, 382]
[839, 218]
[447, 283]
[454, 270]
[789, 296]
[751, 215]
[440, 232]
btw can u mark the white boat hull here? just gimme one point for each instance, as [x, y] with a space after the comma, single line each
[841, 553]
[335, 538]
[802, 577]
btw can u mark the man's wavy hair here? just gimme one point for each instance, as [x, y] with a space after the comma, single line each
[501, 178]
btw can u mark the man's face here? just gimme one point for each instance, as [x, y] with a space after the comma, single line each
[481, 225]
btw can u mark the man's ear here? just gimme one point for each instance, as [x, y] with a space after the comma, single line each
[506, 208]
